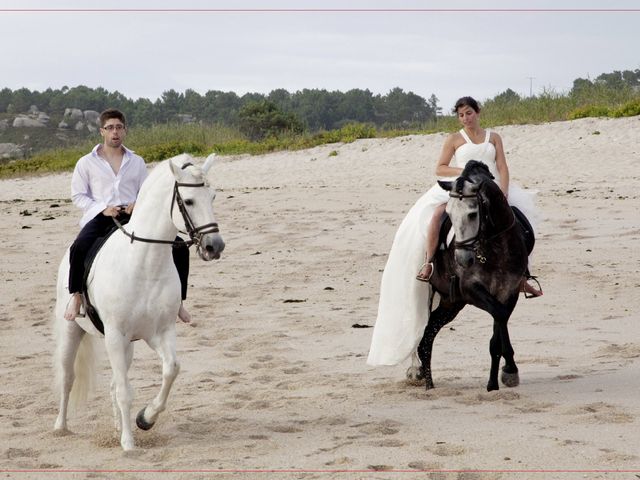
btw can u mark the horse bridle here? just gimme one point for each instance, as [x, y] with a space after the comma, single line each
[474, 243]
[195, 233]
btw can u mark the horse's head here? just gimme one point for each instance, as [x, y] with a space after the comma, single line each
[194, 198]
[478, 210]
[464, 209]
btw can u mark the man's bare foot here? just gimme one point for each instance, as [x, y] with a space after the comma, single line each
[73, 307]
[183, 315]
[424, 275]
[529, 289]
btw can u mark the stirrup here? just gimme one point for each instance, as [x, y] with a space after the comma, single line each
[535, 279]
[82, 311]
[423, 279]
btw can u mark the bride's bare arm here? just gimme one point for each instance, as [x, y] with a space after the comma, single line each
[448, 150]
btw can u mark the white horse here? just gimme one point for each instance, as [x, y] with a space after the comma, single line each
[134, 285]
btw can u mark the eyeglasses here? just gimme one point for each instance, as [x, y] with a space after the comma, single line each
[111, 128]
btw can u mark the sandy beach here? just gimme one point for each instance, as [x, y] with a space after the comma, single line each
[273, 374]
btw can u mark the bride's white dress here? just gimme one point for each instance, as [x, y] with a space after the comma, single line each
[403, 306]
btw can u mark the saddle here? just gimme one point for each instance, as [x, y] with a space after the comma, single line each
[526, 228]
[89, 309]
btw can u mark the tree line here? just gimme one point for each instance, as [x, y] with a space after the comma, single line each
[262, 115]
[308, 109]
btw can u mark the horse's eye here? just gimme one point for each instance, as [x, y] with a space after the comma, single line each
[188, 202]
[473, 215]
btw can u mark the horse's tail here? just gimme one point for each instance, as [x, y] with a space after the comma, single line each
[84, 368]
[76, 364]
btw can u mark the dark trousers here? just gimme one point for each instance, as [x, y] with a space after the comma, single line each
[99, 227]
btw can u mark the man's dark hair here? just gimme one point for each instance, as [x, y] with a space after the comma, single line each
[110, 113]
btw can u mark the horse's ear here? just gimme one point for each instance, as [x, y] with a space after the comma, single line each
[445, 185]
[175, 170]
[208, 162]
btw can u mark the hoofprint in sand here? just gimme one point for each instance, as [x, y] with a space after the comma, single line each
[274, 374]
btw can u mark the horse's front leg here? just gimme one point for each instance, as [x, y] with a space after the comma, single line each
[495, 349]
[117, 419]
[500, 344]
[165, 347]
[437, 319]
[510, 377]
[119, 351]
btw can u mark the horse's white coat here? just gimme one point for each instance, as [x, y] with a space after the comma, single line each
[136, 289]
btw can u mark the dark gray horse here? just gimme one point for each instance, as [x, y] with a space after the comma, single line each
[483, 266]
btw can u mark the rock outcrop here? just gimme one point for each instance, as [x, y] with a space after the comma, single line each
[22, 121]
[79, 120]
[10, 151]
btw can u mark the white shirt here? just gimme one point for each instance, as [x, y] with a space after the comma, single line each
[94, 185]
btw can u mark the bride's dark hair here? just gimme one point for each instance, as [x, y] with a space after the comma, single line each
[467, 102]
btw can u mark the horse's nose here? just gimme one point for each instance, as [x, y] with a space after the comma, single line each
[464, 258]
[214, 246]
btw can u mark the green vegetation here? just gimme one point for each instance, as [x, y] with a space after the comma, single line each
[164, 141]
[263, 125]
[260, 120]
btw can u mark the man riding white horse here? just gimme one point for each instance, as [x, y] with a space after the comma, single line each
[134, 287]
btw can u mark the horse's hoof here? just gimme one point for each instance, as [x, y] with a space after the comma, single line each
[128, 448]
[429, 385]
[491, 386]
[510, 379]
[142, 423]
[415, 374]
[62, 432]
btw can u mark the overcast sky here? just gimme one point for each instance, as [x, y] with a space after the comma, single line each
[446, 53]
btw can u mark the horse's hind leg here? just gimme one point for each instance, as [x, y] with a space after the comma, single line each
[442, 315]
[69, 339]
[118, 350]
[165, 347]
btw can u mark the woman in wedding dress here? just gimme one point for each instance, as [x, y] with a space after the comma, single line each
[403, 309]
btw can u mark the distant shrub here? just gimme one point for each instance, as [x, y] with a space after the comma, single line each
[259, 120]
[347, 134]
[629, 109]
[589, 111]
[233, 147]
[51, 161]
[355, 131]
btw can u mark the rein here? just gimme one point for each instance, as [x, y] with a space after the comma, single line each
[474, 243]
[195, 233]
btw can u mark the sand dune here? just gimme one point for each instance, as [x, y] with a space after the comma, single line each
[273, 374]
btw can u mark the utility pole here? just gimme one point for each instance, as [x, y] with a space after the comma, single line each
[531, 86]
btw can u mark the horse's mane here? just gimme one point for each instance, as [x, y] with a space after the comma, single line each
[163, 171]
[475, 168]
[475, 172]
[184, 161]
